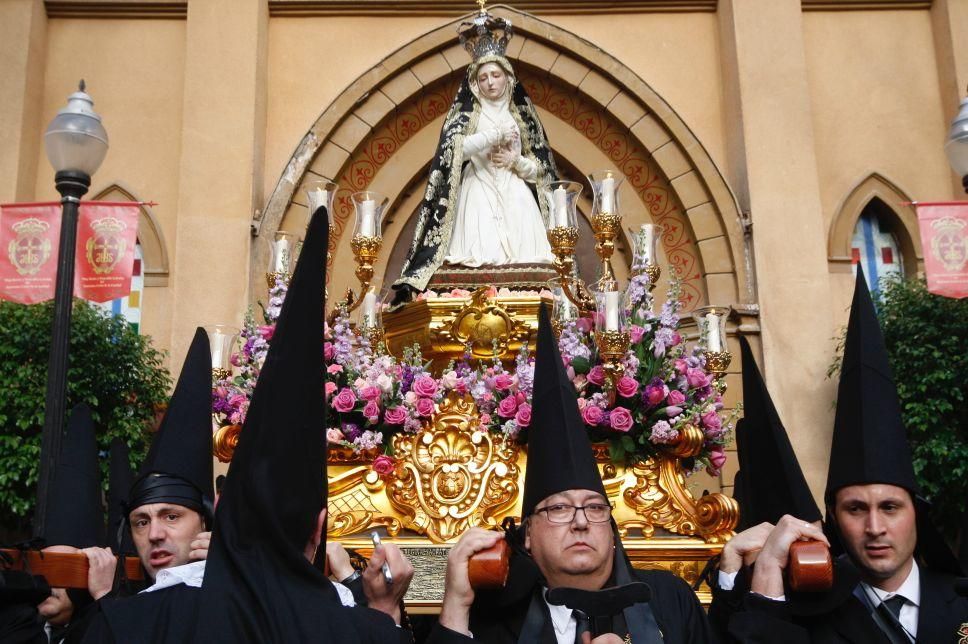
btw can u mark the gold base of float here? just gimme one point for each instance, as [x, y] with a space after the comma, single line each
[450, 477]
[444, 327]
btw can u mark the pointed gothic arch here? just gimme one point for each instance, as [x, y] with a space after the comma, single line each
[380, 132]
[892, 206]
[150, 237]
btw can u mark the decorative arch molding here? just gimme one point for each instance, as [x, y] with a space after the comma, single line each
[390, 105]
[153, 250]
[893, 205]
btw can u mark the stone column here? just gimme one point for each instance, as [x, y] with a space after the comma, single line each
[23, 49]
[221, 165]
[950, 21]
[773, 168]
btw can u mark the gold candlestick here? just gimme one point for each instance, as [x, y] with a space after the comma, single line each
[606, 227]
[563, 240]
[612, 347]
[365, 250]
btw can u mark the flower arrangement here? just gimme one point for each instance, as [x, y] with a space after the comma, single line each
[371, 395]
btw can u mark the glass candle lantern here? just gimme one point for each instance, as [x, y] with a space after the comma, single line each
[320, 194]
[370, 207]
[561, 198]
[285, 252]
[221, 340]
[605, 185]
[645, 242]
[610, 314]
[711, 322]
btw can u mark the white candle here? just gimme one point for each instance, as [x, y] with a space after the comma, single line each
[369, 309]
[648, 243]
[714, 343]
[608, 190]
[368, 218]
[560, 200]
[611, 311]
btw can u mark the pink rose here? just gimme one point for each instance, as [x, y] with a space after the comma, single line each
[371, 411]
[485, 419]
[267, 331]
[395, 416]
[425, 407]
[696, 377]
[523, 416]
[508, 407]
[449, 380]
[636, 332]
[371, 393]
[334, 368]
[328, 351]
[592, 414]
[383, 465]
[676, 339]
[626, 387]
[345, 400]
[330, 387]
[620, 419]
[503, 381]
[425, 386]
[717, 458]
[676, 397]
[333, 435]
[711, 420]
[597, 375]
[681, 365]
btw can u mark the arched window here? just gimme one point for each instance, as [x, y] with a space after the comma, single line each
[875, 246]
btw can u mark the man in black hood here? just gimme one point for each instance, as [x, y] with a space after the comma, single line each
[896, 581]
[569, 542]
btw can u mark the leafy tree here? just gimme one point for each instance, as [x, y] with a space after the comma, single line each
[926, 336]
[112, 368]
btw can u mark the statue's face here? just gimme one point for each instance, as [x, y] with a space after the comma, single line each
[492, 80]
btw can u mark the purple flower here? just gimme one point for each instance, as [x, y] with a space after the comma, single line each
[662, 433]
[655, 392]
[672, 411]
[696, 378]
[676, 397]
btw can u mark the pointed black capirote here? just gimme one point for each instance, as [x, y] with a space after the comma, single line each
[869, 442]
[259, 586]
[121, 476]
[178, 468]
[559, 452]
[75, 516]
[770, 480]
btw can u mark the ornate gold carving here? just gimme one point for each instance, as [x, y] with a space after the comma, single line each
[718, 361]
[224, 442]
[689, 443]
[443, 325]
[485, 326]
[660, 497]
[451, 476]
[612, 347]
[352, 506]
[365, 249]
[272, 276]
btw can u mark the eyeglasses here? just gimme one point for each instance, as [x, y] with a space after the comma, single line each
[594, 512]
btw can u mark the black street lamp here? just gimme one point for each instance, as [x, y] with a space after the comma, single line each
[76, 143]
[957, 144]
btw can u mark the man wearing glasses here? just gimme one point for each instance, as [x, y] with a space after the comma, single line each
[567, 539]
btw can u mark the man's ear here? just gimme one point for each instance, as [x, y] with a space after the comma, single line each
[526, 525]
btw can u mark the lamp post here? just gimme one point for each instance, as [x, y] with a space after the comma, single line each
[76, 143]
[957, 145]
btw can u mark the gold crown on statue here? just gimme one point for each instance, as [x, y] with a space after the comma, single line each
[485, 35]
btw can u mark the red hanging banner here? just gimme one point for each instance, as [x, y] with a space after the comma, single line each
[29, 239]
[106, 237]
[944, 241]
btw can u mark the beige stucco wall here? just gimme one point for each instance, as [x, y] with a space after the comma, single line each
[135, 74]
[877, 107]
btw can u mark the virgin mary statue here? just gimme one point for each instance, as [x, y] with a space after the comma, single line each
[480, 207]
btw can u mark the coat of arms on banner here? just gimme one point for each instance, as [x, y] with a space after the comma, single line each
[106, 247]
[31, 249]
[949, 244]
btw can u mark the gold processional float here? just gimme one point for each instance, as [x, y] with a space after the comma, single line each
[449, 476]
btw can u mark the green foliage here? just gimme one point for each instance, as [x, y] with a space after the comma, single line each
[112, 369]
[926, 336]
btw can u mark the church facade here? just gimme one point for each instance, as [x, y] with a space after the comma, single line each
[777, 141]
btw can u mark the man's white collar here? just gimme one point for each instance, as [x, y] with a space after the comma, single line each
[190, 574]
[910, 589]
